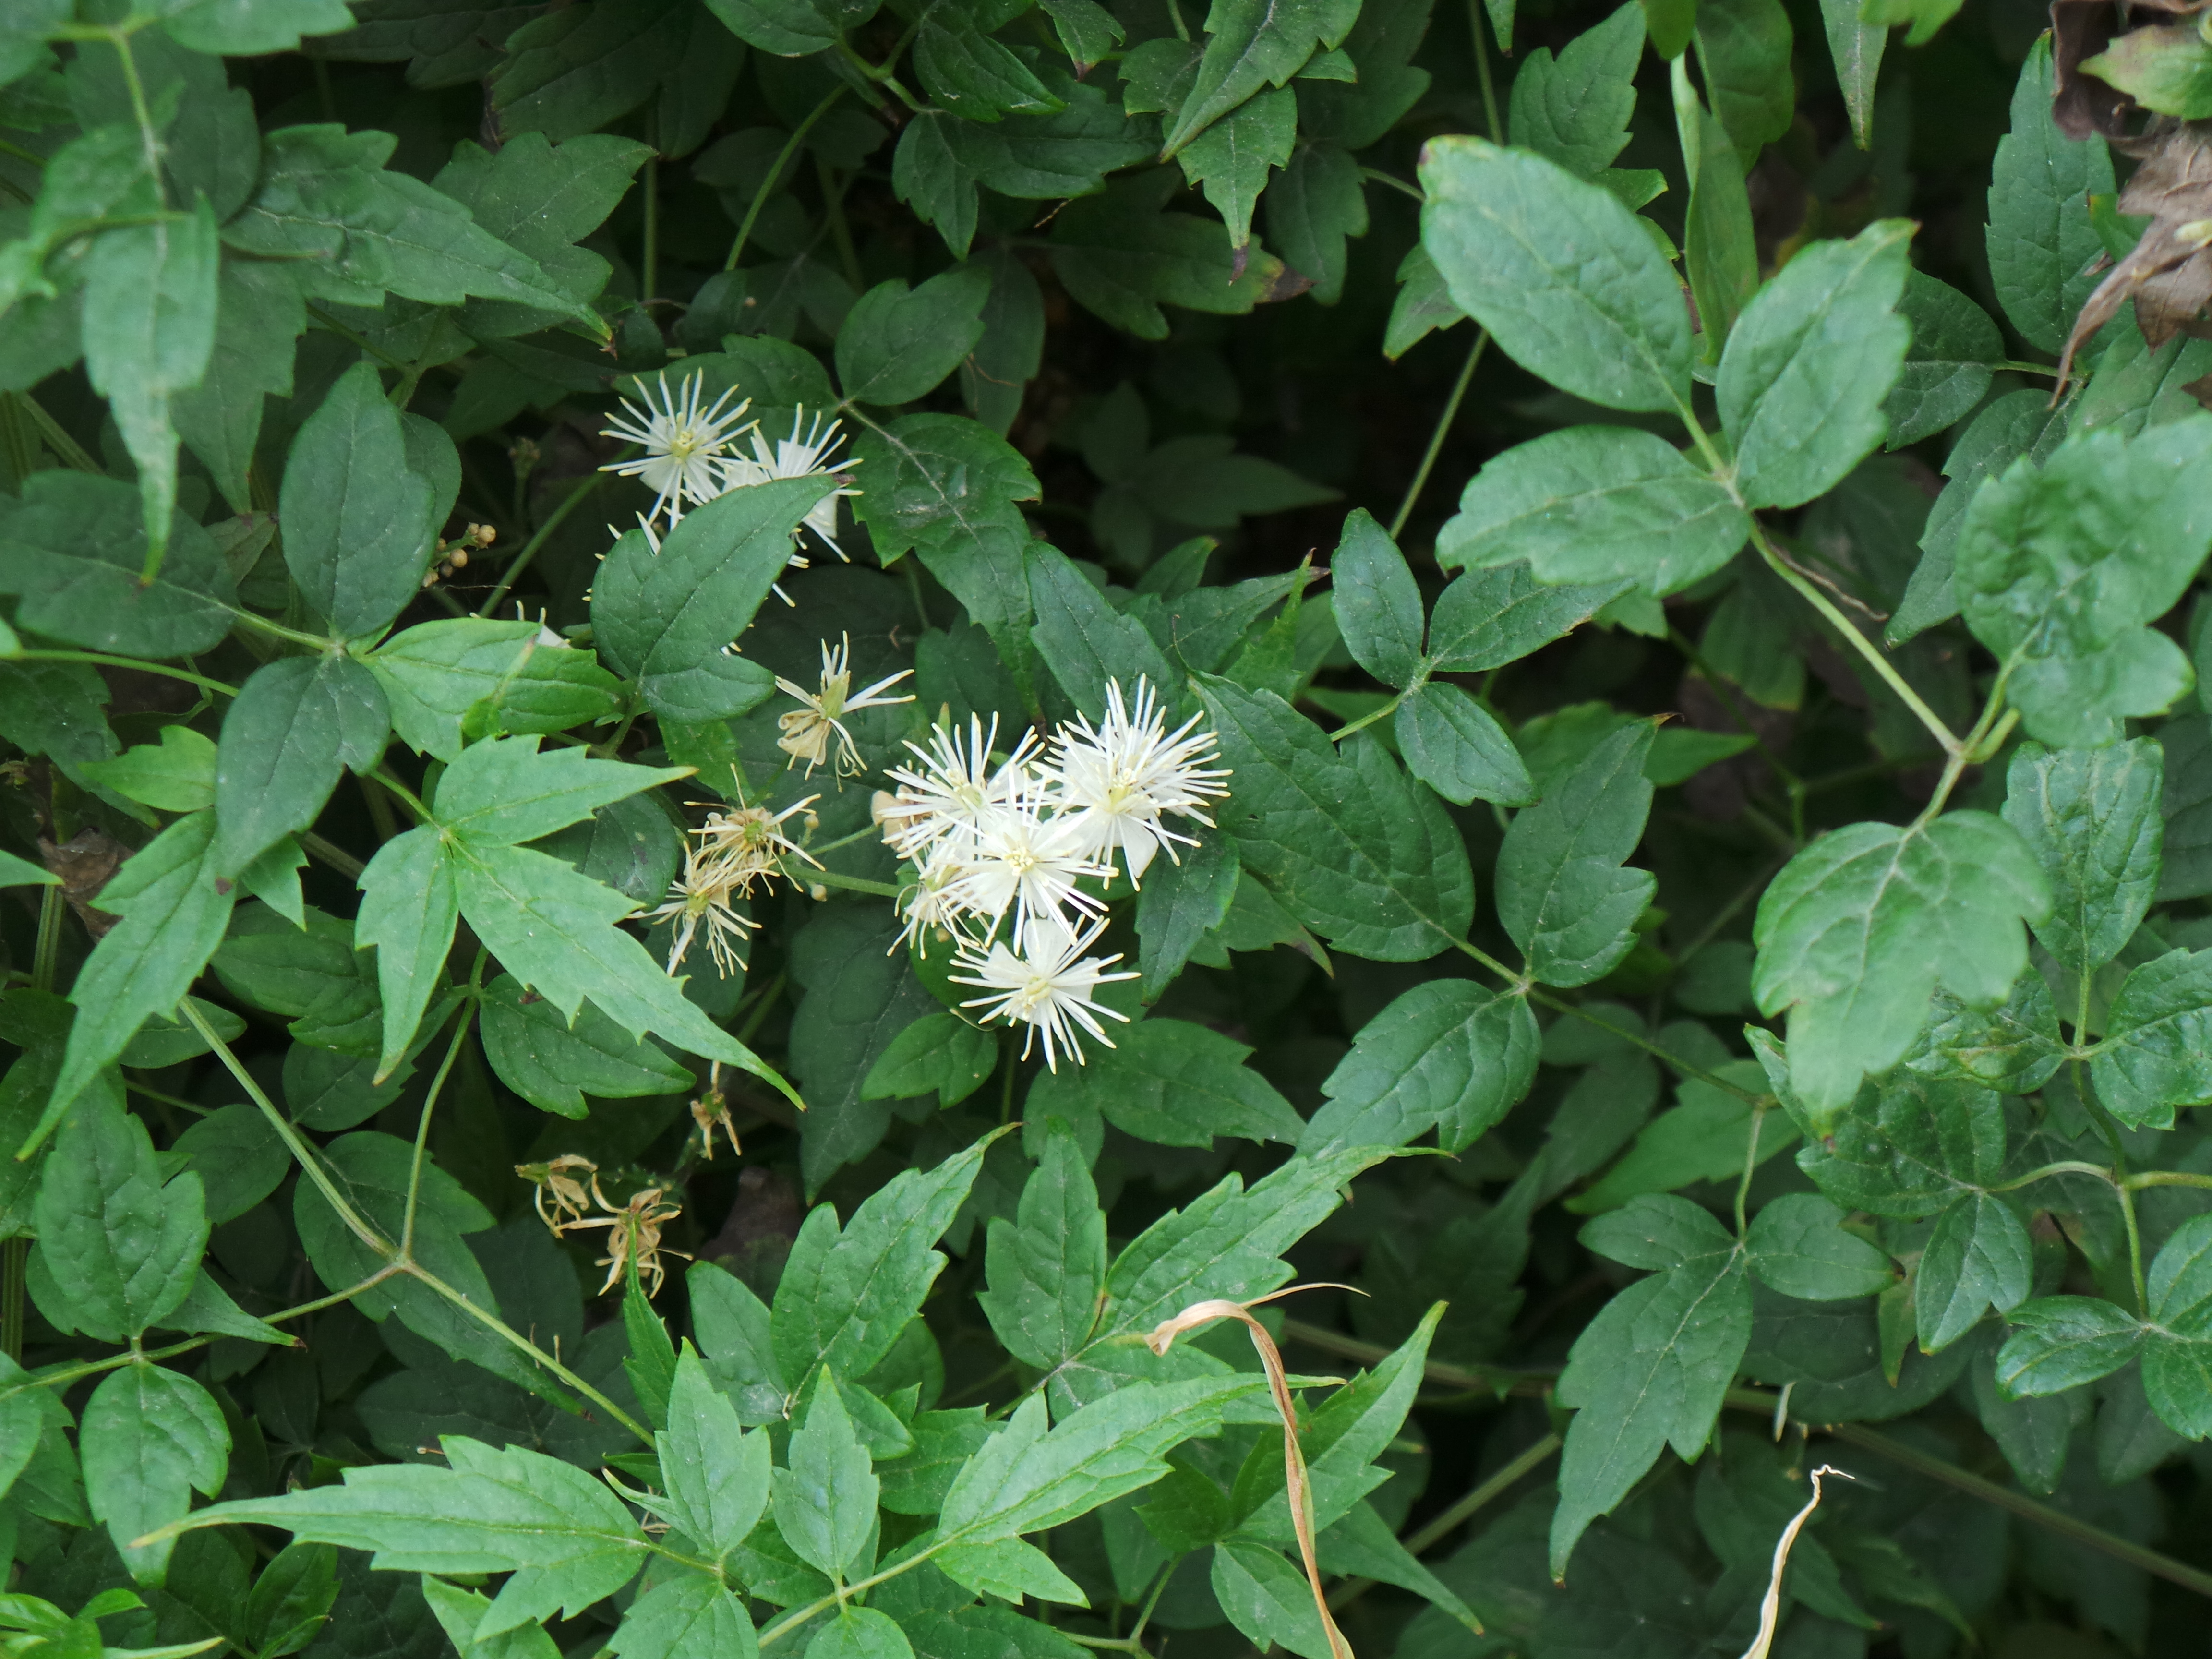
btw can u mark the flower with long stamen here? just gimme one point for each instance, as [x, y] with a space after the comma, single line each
[684, 443]
[753, 837]
[955, 790]
[798, 456]
[807, 730]
[1049, 985]
[706, 896]
[1116, 780]
[1028, 860]
[933, 903]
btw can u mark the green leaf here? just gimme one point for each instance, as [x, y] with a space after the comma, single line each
[174, 914]
[298, 722]
[1041, 157]
[2060, 1342]
[1979, 1256]
[1087, 643]
[1859, 929]
[1345, 842]
[718, 1476]
[1449, 1053]
[1268, 1598]
[504, 790]
[1743, 47]
[1376, 605]
[177, 774]
[1948, 367]
[2042, 242]
[358, 520]
[971, 75]
[409, 903]
[686, 1614]
[1910, 1147]
[2091, 817]
[1802, 382]
[859, 1632]
[461, 1612]
[149, 309]
[860, 993]
[940, 1054]
[2013, 1048]
[542, 199]
[1027, 1479]
[2157, 1051]
[1562, 892]
[825, 1500]
[1251, 44]
[1857, 47]
[1422, 304]
[292, 1598]
[1173, 1084]
[324, 198]
[554, 931]
[896, 346]
[1121, 256]
[732, 1328]
[2061, 570]
[1595, 504]
[122, 1246]
[1230, 159]
[2166, 69]
[1650, 1370]
[1720, 245]
[1047, 1264]
[1706, 1137]
[238, 1157]
[436, 672]
[1559, 272]
[73, 546]
[1225, 1244]
[259, 315]
[1317, 205]
[246, 28]
[1496, 615]
[1187, 899]
[567, 1539]
[1452, 744]
[1798, 1246]
[150, 1438]
[664, 619]
[846, 1294]
[1575, 111]
[789, 28]
[928, 175]
[553, 1063]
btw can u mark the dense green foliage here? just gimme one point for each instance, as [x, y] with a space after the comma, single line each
[585, 576]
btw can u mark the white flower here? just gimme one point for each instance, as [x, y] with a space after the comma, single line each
[932, 901]
[806, 731]
[955, 790]
[1045, 986]
[706, 895]
[1116, 780]
[684, 443]
[1028, 860]
[798, 457]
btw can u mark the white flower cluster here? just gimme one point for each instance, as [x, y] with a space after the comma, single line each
[1000, 852]
[691, 454]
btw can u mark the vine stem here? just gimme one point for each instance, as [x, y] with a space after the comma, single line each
[398, 1261]
[1443, 428]
[1763, 1401]
[783, 160]
[1944, 738]
[101, 660]
[430, 1106]
[553, 519]
[1528, 987]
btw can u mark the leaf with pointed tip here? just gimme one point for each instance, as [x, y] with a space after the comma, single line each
[1563, 892]
[1451, 1053]
[297, 724]
[150, 1438]
[1047, 1264]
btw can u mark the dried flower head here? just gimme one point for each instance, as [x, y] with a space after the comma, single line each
[633, 1236]
[558, 1182]
[807, 731]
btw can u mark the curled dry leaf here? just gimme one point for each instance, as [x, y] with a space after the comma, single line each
[1770, 1607]
[1300, 1492]
[2169, 273]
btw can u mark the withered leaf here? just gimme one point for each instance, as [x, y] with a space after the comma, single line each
[2169, 274]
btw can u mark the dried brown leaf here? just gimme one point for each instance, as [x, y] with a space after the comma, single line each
[2168, 275]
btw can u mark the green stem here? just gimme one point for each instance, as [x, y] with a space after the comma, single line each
[1944, 738]
[105, 661]
[46, 963]
[783, 159]
[520, 562]
[1528, 987]
[337, 857]
[1392, 181]
[399, 792]
[851, 884]
[1367, 719]
[1968, 751]
[150, 141]
[1750, 1164]
[1479, 26]
[1482, 1496]
[833, 205]
[430, 1106]
[2069, 1166]
[180, 1104]
[2165, 1178]
[261, 624]
[2049, 371]
[70, 452]
[355, 1222]
[1763, 1402]
[1443, 428]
